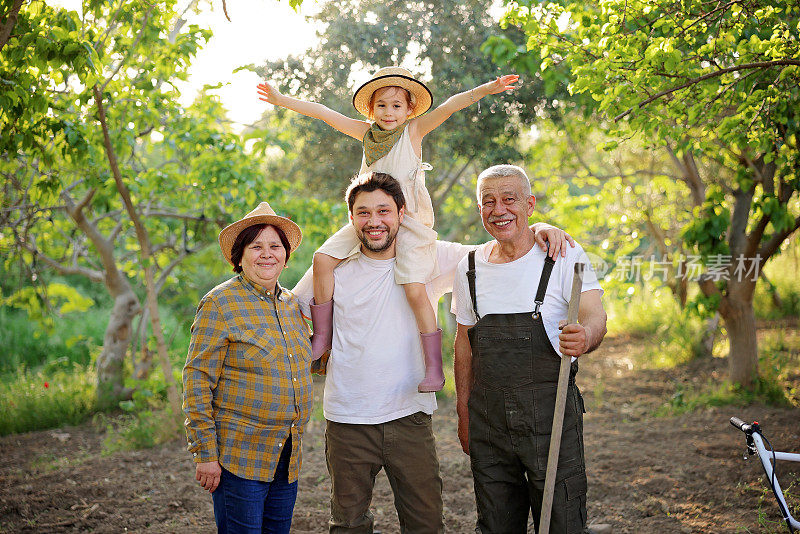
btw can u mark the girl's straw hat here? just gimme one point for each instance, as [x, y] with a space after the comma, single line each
[394, 76]
[263, 214]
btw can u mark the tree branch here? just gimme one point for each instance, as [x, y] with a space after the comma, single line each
[8, 25]
[710, 289]
[157, 212]
[771, 246]
[130, 50]
[690, 174]
[451, 183]
[113, 278]
[174, 263]
[694, 81]
[91, 274]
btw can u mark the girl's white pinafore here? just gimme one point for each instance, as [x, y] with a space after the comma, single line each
[416, 239]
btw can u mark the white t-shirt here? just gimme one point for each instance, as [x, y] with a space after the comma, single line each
[376, 359]
[511, 287]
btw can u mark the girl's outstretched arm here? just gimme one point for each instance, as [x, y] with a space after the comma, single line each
[428, 122]
[352, 127]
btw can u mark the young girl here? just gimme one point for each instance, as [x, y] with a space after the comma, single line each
[392, 144]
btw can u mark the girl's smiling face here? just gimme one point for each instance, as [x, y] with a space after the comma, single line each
[391, 107]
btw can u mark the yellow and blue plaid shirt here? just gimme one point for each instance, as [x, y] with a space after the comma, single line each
[246, 382]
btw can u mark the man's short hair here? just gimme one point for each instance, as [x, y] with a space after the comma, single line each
[503, 171]
[372, 181]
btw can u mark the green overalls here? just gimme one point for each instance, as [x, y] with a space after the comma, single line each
[511, 407]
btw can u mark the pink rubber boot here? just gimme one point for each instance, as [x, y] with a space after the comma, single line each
[432, 348]
[322, 323]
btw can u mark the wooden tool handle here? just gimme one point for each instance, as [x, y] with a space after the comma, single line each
[558, 414]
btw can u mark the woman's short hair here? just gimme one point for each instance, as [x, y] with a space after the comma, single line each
[247, 236]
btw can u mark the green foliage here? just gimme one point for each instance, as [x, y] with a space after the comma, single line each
[780, 360]
[778, 296]
[75, 337]
[777, 385]
[674, 336]
[187, 172]
[60, 393]
[449, 391]
[143, 429]
[769, 519]
[41, 304]
[721, 82]
[147, 421]
[688, 399]
[640, 313]
[718, 87]
[627, 207]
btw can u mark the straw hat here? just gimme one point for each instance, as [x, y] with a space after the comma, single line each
[393, 76]
[263, 214]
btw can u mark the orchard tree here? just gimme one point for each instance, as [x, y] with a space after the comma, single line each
[106, 175]
[716, 82]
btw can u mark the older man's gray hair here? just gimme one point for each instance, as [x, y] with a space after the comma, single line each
[503, 171]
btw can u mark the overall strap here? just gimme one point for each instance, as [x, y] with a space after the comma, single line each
[471, 281]
[543, 280]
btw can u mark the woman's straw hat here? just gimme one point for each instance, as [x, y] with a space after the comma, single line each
[393, 76]
[263, 214]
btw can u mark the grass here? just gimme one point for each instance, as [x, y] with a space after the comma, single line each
[769, 515]
[59, 393]
[74, 336]
[147, 420]
[48, 378]
[781, 271]
[671, 336]
[778, 383]
[144, 428]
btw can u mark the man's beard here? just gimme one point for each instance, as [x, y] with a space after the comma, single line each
[374, 247]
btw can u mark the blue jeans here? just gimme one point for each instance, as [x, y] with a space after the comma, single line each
[244, 506]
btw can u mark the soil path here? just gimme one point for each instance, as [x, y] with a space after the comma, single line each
[646, 474]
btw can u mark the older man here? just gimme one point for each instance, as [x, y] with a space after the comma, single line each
[511, 299]
[376, 418]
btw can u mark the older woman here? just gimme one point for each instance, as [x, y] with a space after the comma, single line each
[246, 382]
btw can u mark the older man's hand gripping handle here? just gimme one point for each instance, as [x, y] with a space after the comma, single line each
[561, 401]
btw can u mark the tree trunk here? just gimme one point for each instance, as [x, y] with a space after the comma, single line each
[163, 356]
[110, 362]
[709, 335]
[145, 255]
[740, 321]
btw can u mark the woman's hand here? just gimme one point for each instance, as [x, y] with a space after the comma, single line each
[503, 83]
[208, 474]
[267, 93]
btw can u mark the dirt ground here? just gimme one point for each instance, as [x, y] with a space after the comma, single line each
[646, 474]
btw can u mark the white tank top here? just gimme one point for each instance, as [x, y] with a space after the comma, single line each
[407, 168]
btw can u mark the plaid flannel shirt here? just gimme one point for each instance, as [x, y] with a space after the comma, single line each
[246, 381]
